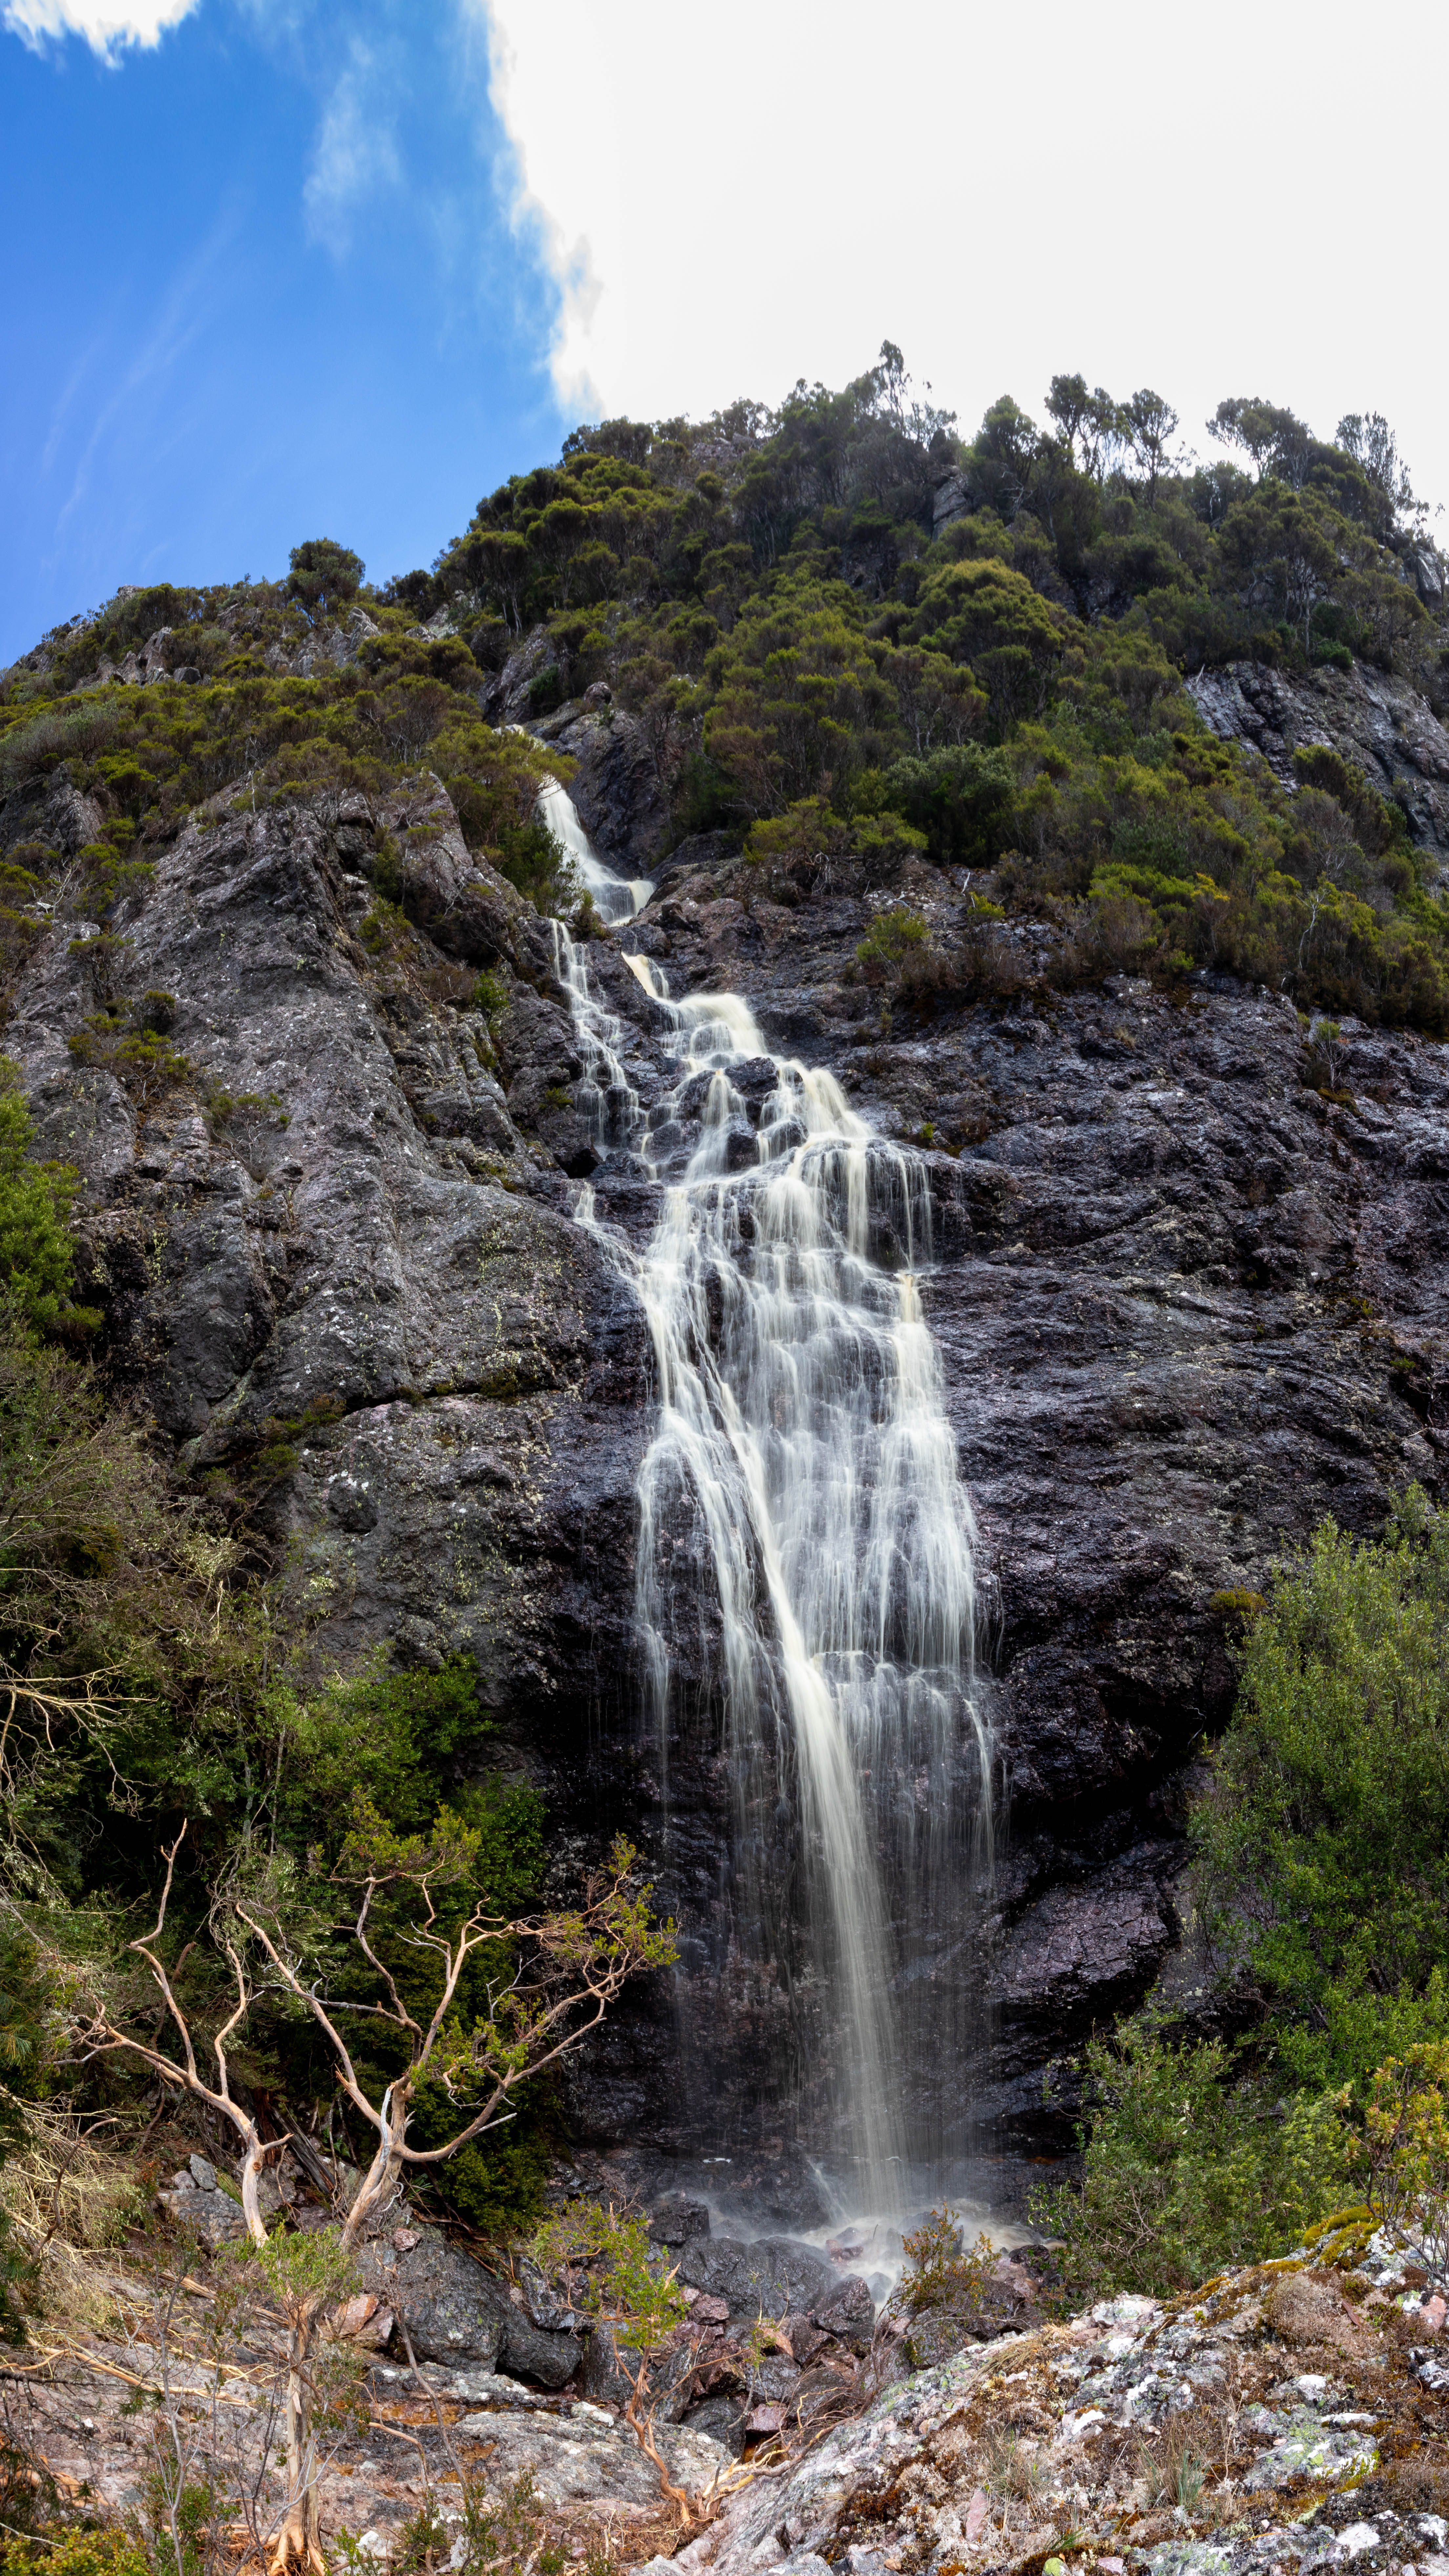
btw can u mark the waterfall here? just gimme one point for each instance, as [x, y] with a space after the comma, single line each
[615, 898]
[800, 1453]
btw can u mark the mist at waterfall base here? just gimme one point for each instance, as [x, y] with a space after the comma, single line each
[799, 1504]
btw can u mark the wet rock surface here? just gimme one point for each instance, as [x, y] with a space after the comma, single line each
[1186, 1300]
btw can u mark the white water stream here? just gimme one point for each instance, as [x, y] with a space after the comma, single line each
[800, 1449]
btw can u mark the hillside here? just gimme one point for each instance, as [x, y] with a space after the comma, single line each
[487, 1369]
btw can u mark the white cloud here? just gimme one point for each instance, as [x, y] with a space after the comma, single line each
[729, 199]
[107, 25]
[355, 150]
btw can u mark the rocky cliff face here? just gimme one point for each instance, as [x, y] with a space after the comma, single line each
[1185, 1304]
[1378, 722]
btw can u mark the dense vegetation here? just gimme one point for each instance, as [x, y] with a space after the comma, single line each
[809, 660]
[148, 1685]
[815, 666]
[1321, 1852]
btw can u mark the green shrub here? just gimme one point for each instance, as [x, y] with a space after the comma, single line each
[323, 577]
[1323, 1846]
[961, 797]
[546, 691]
[1405, 2148]
[387, 870]
[1191, 2161]
[143, 1059]
[601, 2259]
[892, 935]
[107, 2550]
[37, 1250]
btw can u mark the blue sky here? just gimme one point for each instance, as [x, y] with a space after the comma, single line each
[262, 284]
[287, 268]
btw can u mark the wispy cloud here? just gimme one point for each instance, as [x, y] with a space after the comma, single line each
[108, 26]
[356, 148]
[184, 307]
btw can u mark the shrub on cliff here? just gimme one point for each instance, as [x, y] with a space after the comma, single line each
[37, 1250]
[323, 577]
[1323, 1843]
[1322, 1871]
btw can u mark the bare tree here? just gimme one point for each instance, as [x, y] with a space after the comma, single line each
[557, 1976]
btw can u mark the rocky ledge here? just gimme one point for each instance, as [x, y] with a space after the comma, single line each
[1285, 2417]
[1288, 2417]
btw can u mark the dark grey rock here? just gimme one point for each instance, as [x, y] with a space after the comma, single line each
[1372, 718]
[723, 2419]
[534, 2352]
[454, 2311]
[848, 2313]
[767, 2278]
[675, 2219]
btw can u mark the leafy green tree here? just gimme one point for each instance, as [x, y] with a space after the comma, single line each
[1001, 456]
[799, 702]
[1258, 427]
[1371, 443]
[324, 577]
[961, 798]
[1285, 543]
[1090, 423]
[987, 615]
[1150, 423]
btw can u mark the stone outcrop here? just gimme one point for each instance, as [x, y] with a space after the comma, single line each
[1369, 717]
[1284, 2416]
[335, 1235]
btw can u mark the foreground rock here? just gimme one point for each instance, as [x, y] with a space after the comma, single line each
[1287, 2417]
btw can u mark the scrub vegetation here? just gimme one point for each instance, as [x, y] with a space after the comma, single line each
[844, 628]
[1321, 1871]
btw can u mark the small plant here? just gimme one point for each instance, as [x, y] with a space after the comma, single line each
[892, 935]
[940, 2273]
[600, 2259]
[380, 927]
[1237, 1603]
[222, 1105]
[387, 870]
[132, 1041]
[1013, 2469]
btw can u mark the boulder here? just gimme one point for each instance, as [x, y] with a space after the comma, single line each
[452, 2309]
[848, 2313]
[767, 2278]
[455, 2312]
[676, 2219]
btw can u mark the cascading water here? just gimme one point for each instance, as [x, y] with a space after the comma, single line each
[800, 1452]
[615, 898]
